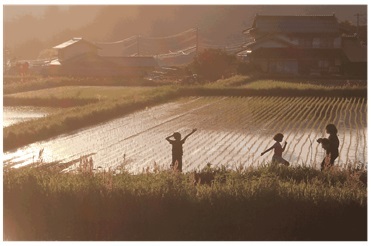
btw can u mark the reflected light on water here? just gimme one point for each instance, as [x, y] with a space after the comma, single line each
[14, 115]
[224, 137]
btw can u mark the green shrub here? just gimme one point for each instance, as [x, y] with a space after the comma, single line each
[213, 64]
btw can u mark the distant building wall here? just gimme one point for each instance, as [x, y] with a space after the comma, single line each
[356, 69]
[75, 50]
[102, 72]
[295, 44]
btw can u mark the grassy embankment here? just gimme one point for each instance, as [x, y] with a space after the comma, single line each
[265, 203]
[107, 105]
[15, 84]
[92, 105]
[245, 86]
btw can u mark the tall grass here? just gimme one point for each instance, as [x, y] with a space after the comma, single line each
[265, 203]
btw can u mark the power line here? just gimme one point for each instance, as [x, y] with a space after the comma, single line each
[117, 42]
[183, 52]
[358, 15]
[180, 44]
[171, 36]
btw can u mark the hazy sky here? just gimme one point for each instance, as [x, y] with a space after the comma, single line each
[37, 8]
[12, 11]
[53, 24]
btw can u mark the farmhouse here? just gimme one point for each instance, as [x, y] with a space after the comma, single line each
[75, 47]
[295, 45]
[356, 53]
[79, 57]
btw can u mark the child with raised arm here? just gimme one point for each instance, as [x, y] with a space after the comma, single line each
[177, 149]
[278, 149]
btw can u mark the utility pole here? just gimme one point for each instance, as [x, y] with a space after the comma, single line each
[358, 15]
[138, 36]
[196, 41]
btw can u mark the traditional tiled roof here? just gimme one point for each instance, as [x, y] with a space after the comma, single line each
[293, 53]
[54, 62]
[72, 42]
[294, 24]
[267, 38]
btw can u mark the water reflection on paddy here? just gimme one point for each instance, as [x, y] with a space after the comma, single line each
[13, 115]
[231, 131]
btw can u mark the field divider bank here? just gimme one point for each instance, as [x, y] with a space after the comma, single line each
[76, 118]
[281, 92]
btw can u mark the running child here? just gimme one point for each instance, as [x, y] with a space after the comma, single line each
[278, 150]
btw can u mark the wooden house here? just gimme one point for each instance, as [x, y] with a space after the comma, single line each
[78, 57]
[295, 45]
[75, 47]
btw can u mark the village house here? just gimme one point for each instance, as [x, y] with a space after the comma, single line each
[356, 63]
[295, 45]
[75, 47]
[79, 57]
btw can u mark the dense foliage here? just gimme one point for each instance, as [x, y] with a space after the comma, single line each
[213, 64]
[265, 203]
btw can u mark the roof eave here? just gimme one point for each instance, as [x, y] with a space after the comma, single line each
[249, 30]
[77, 40]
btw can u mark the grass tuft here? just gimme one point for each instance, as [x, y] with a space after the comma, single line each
[264, 203]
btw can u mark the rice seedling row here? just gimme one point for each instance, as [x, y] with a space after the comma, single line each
[323, 121]
[287, 116]
[363, 109]
[280, 113]
[312, 139]
[231, 131]
[362, 137]
[257, 119]
[300, 126]
[357, 130]
[343, 124]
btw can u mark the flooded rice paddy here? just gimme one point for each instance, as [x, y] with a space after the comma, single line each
[14, 115]
[232, 131]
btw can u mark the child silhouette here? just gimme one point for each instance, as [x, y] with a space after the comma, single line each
[331, 146]
[326, 145]
[177, 149]
[278, 149]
